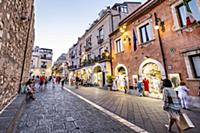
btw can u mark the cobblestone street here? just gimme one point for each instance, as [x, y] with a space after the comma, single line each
[144, 112]
[56, 110]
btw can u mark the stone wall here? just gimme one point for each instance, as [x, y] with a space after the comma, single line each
[13, 36]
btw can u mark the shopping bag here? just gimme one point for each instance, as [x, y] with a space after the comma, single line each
[185, 122]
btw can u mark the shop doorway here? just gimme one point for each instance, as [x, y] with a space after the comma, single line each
[121, 76]
[98, 76]
[152, 72]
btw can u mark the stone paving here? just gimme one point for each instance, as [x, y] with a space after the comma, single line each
[57, 111]
[144, 112]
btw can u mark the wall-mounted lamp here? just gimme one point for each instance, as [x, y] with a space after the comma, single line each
[122, 28]
[127, 39]
[159, 23]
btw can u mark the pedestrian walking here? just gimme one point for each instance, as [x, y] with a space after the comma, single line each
[54, 81]
[140, 88]
[62, 82]
[183, 94]
[42, 81]
[171, 105]
[124, 85]
[77, 82]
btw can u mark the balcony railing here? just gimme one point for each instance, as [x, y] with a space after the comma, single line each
[100, 39]
[97, 59]
[88, 46]
[72, 67]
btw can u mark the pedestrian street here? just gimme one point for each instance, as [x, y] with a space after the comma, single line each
[146, 113]
[57, 111]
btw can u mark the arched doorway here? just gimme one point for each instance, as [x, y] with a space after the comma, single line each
[154, 72]
[98, 76]
[121, 74]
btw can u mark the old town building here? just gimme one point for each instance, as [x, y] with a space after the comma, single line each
[16, 42]
[41, 61]
[154, 42]
[93, 64]
[60, 66]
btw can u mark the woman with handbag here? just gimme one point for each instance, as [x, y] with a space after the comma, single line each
[171, 105]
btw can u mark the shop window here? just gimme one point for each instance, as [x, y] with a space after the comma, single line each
[145, 33]
[181, 10]
[195, 60]
[118, 46]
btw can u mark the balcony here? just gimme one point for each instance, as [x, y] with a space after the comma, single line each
[88, 47]
[72, 67]
[100, 39]
[72, 55]
[96, 59]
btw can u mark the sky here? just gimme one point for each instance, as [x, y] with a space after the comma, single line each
[59, 23]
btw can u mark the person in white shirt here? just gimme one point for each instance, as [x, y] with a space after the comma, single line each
[183, 94]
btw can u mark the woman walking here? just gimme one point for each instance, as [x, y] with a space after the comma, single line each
[171, 105]
[183, 94]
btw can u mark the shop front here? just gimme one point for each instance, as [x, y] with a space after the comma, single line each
[86, 75]
[121, 78]
[98, 76]
[71, 78]
[152, 72]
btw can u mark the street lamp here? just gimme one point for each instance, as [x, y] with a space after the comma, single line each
[160, 23]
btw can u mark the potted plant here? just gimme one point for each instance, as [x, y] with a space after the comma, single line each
[110, 81]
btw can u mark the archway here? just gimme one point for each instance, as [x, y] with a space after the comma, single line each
[121, 74]
[98, 76]
[154, 72]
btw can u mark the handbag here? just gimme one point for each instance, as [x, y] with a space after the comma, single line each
[185, 122]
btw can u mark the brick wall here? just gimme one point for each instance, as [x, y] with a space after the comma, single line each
[13, 34]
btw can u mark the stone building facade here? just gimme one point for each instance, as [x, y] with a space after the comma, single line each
[16, 35]
[41, 61]
[180, 59]
[91, 54]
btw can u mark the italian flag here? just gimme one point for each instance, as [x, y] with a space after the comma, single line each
[189, 17]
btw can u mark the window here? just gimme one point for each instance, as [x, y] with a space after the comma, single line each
[118, 46]
[145, 33]
[100, 33]
[124, 9]
[181, 9]
[195, 60]
[100, 51]
[88, 41]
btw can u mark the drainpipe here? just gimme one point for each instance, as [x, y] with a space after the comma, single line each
[161, 48]
[112, 26]
[26, 46]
